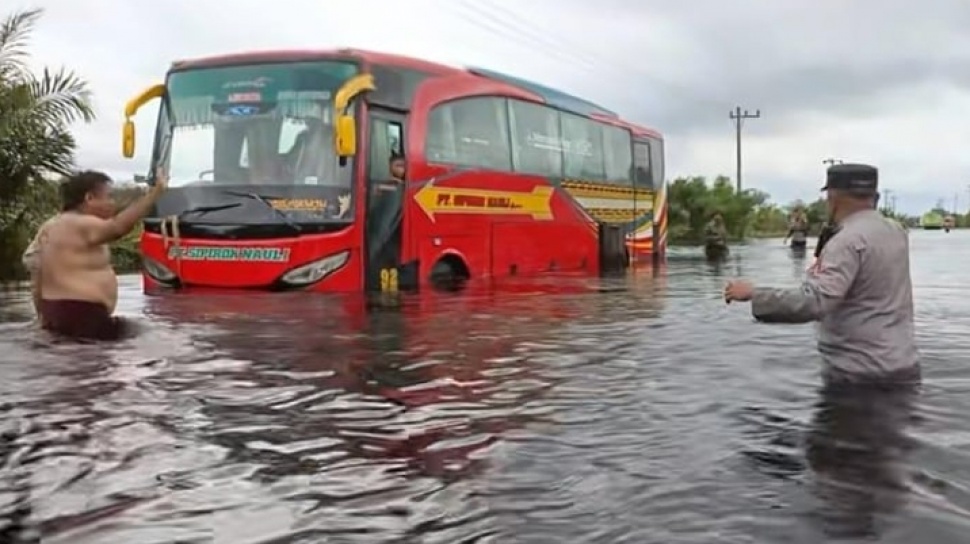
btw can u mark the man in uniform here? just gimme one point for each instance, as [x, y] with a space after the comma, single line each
[860, 289]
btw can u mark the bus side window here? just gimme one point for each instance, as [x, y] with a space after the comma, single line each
[618, 155]
[470, 132]
[656, 162]
[641, 163]
[395, 138]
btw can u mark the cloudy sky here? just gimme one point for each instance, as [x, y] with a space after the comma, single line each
[879, 81]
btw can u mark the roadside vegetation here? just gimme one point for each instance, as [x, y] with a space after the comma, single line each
[38, 109]
[749, 214]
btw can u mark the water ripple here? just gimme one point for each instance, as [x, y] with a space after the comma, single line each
[653, 415]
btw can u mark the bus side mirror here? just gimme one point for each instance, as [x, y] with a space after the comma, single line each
[131, 108]
[345, 137]
[128, 139]
[345, 129]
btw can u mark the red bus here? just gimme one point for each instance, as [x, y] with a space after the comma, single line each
[281, 179]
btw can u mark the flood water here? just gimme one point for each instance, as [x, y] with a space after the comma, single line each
[654, 415]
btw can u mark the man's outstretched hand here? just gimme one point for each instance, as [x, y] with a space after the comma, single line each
[160, 181]
[739, 290]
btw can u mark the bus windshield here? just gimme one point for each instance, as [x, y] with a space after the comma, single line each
[259, 128]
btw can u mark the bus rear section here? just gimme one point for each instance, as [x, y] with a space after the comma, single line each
[525, 181]
[259, 195]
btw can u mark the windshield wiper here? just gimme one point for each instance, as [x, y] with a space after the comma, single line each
[202, 210]
[265, 201]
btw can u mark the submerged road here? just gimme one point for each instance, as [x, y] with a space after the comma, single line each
[654, 415]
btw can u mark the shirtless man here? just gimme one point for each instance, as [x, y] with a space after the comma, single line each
[31, 261]
[75, 288]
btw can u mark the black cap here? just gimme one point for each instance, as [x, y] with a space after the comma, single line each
[855, 178]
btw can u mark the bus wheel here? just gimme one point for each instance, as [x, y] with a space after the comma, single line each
[449, 274]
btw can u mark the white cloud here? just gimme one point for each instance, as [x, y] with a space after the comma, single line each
[920, 153]
[609, 52]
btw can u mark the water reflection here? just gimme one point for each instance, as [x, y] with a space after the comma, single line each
[858, 448]
[556, 412]
[366, 406]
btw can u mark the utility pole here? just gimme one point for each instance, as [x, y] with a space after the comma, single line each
[887, 202]
[738, 116]
[965, 220]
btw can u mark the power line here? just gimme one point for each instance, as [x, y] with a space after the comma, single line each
[496, 25]
[498, 20]
[511, 25]
[739, 117]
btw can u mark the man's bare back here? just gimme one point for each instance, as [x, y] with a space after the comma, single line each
[75, 287]
[71, 268]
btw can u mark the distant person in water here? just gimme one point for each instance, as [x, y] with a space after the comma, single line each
[715, 238]
[74, 284]
[798, 229]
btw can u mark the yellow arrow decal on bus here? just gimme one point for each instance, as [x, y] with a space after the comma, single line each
[438, 200]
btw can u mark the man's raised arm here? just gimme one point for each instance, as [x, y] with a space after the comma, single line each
[100, 231]
[820, 293]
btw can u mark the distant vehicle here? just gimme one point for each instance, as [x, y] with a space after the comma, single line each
[280, 176]
[932, 221]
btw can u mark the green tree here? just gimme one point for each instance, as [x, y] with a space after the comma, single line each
[36, 113]
[817, 213]
[693, 201]
[769, 219]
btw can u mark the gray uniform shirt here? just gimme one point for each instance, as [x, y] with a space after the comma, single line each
[860, 291]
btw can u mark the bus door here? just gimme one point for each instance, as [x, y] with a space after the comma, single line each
[384, 220]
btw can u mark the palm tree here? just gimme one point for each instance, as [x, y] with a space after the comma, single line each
[36, 113]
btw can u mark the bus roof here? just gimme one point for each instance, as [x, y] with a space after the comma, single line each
[297, 55]
[548, 95]
[557, 99]
[637, 130]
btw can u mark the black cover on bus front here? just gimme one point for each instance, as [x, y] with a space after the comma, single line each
[257, 204]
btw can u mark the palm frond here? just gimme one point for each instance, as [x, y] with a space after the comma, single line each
[36, 112]
[15, 32]
[61, 97]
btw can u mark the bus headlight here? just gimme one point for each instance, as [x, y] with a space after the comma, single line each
[158, 271]
[315, 271]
